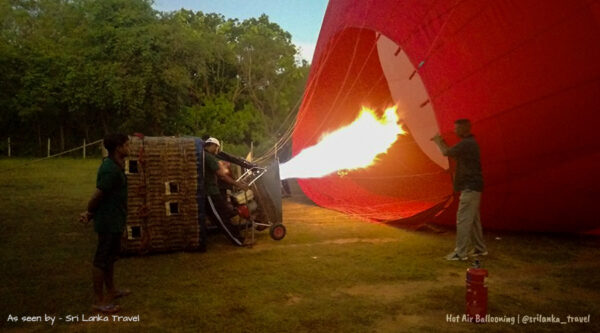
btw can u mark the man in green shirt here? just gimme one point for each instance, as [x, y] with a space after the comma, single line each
[468, 180]
[108, 209]
[216, 205]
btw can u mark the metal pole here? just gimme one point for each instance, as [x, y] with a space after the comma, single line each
[84, 149]
[9, 146]
[48, 147]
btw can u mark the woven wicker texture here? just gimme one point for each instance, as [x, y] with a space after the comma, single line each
[162, 207]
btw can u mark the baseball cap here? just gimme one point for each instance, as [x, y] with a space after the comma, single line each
[213, 140]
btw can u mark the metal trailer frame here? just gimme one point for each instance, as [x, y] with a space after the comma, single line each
[267, 193]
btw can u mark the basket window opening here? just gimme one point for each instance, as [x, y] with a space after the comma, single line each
[172, 208]
[171, 187]
[131, 166]
[135, 232]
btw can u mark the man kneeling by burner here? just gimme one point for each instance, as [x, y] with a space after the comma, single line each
[216, 206]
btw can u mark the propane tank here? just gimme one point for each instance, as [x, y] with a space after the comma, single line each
[476, 293]
[245, 210]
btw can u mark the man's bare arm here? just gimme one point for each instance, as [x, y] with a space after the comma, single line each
[439, 141]
[222, 173]
[92, 206]
[95, 201]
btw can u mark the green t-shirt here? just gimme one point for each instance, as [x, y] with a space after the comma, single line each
[111, 214]
[211, 166]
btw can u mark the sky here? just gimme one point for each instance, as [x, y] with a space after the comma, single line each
[301, 18]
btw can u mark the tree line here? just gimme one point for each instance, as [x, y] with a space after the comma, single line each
[73, 69]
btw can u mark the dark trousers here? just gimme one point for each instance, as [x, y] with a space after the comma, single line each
[107, 252]
[221, 212]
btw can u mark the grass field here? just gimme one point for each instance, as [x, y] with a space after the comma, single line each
[332, 273]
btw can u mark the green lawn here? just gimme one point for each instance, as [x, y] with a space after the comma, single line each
[332, 273]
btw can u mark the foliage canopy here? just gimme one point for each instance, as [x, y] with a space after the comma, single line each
[75, 69]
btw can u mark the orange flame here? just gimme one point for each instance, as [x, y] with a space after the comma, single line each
[354, 146]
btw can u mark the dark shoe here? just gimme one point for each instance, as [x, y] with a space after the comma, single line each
[454, 256]
[108, 308]
[121, 293]
[477, 253]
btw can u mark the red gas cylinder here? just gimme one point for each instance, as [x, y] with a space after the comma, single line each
[476, 294]
[243, 211]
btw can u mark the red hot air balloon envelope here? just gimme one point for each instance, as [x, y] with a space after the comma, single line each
[527, 74]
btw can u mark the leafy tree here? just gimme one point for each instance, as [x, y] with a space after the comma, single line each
[81, 68]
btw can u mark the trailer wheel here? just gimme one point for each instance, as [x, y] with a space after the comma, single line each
[277, 231]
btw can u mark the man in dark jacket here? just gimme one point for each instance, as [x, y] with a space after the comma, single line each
[108, 209]
[468, 180]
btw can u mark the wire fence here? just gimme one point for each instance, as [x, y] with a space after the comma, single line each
[11, 148]
[83, 151]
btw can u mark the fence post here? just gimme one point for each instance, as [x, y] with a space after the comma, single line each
[9, 146]
[84, 149]
[48, 147]
[103, 150]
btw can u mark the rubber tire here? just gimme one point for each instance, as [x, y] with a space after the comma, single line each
[277, 231]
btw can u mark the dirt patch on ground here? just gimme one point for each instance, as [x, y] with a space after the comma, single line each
[404, 323]
[390, 292]
[361, 240]
[292, 299]
[429, 322]
[263, 246]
